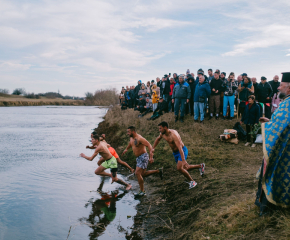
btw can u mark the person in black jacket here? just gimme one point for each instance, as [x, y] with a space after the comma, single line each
[175, 76]
[255, 84]
[214, 100]
[165, 88]
[251, 117]
[265, 93]
[136, 91]
[189, 106]
[162, 107]
[275, 84]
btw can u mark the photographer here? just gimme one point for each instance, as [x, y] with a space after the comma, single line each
[229, 86]
[245, 89]
[165, 87]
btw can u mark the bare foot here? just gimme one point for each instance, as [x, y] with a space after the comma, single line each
[129, 186]
[132, 170]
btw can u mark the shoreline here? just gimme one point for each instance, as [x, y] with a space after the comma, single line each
[221, 206]
[14, 102]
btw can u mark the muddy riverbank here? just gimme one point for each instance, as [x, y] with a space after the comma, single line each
[222, 204]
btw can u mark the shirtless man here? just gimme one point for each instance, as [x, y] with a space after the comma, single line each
[138, 145]
[112, 151]
[180, 152]
[110, 161]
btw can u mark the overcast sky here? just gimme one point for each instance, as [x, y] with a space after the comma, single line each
[79, 46]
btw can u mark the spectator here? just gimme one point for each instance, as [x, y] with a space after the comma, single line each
[132, 95]
[275, 84]
[255, 84]
[200, 72]
[240, 78]
[210, 75]
[148, 88]
[147, 108]
[265, 94]
[161, 107]
[244, 75]
[128, 97]
[158, 83]
[192, 74]
[245, 89]
[223, 76]
[214, 101]
[251, 117]
[165, 88]
[137, 89]
[189, 106]
[122, 98]
[170, 105]
[155, 96]
[202, 92]
[142, 92]
[181, 94]
[175, 76]
[230, 85]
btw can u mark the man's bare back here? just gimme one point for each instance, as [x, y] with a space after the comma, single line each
[171, 138]
[137, 146]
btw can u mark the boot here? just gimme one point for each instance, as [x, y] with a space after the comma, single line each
[176, 118]
[181, 119]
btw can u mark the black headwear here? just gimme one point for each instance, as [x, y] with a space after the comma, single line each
[244, 74]
[224, 73]
[263, 78]
[286, 77]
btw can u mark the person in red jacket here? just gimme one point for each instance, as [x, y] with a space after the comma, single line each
[170, 105]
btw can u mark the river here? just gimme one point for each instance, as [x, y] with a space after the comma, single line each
[46, 190]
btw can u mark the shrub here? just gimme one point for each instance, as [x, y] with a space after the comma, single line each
[102, 97]
[19, 91]
[4, 91]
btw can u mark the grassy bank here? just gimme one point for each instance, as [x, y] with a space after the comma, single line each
[222, 204]
[14, 100]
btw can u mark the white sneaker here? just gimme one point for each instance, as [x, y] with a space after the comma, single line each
[247, 144]
[192, 184]
[253, 145]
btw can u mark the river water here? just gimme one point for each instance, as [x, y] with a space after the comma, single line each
[46, 190]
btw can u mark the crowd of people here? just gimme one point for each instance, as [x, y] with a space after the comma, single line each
[215, 95]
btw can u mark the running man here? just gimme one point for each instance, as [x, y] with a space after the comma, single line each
[180, 152]
[110, 161]
[138, 145]
[112, 151]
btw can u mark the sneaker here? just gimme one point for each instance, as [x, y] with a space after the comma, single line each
[253, 145]
[201, 122]
[231, 118]
[210, 117]
[201, 170]
[140, 194]
[192, 184]
[224, 118]
[181, 119]
[247, 144]
[196, 121]
[217, 117]
[161, 173]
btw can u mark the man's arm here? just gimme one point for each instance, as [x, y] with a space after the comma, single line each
[91, 147]
[156, 142]
[93, 156]
[127, 148]
[147, 144]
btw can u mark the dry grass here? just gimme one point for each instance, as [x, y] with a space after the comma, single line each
[14, 100]
[222, 204]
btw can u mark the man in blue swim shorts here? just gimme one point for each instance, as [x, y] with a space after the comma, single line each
[180, 152]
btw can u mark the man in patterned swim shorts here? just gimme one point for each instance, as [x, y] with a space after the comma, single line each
[110, 161]
[138, 145]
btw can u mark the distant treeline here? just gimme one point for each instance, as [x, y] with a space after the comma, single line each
[50, 95]
[102, 97]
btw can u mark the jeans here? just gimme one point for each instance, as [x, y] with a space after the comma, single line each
[181, 102]
[199, 109]
[155, 106]
[231, 100]
[166, 97]
[170, 104]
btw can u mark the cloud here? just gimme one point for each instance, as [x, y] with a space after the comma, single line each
[12, 66]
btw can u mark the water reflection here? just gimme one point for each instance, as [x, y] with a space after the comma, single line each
[103, 212]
